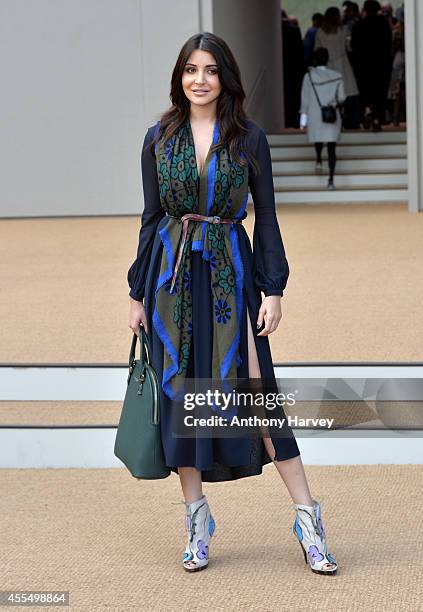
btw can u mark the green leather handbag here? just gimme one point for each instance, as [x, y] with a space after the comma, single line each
[138, 441]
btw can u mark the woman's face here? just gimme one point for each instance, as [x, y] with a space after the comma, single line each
[200, 73]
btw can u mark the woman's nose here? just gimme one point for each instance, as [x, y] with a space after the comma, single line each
[199, 79]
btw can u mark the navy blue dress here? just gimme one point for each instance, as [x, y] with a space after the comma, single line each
[266, 270]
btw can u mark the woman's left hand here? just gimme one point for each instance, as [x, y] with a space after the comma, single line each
[270, 311]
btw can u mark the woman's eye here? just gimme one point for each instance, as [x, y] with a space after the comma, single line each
[211, 70]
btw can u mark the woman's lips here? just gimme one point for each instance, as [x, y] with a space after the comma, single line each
[200, 93]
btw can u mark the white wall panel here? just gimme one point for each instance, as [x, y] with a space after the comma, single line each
[81, 81]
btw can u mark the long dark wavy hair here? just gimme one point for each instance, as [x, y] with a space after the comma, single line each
[332, 21]
[230, 112]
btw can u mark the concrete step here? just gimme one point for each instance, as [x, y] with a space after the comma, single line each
[51, 443]
[370, 168]
[351, 166]
[361, 181]
[399, 137]
[345, 151]
[341, 196]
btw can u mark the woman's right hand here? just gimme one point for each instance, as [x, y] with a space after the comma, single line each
[136, 316]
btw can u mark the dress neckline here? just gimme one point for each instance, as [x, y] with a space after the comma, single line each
[214, 140]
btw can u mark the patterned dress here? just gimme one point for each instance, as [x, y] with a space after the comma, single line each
[198, 325]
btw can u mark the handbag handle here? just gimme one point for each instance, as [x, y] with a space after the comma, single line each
[145, 349]
[314, 89]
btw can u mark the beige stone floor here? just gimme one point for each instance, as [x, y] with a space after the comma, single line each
[116, 543]
[354, 294]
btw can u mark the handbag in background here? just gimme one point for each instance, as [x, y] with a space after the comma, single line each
[329, 113]
[138, 441]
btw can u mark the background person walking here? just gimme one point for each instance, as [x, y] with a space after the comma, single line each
[322, 86]
[334, 36]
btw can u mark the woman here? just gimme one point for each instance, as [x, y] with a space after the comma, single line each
[334, 37]
[322, 87]
[201, 283]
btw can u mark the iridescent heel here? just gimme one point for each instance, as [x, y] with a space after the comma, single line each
[309, 531]
[200, 527]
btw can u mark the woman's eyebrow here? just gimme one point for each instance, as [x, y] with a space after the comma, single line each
[207, 65]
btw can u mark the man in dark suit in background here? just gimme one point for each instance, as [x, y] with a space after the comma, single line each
[293, 69]
[371, 46]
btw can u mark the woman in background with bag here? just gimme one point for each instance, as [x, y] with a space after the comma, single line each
[322, 94]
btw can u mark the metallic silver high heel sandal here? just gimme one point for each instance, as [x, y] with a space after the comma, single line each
[309, 531]
[200, 527]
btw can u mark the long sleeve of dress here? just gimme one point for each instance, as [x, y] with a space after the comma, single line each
[271, 266]
[151, 215]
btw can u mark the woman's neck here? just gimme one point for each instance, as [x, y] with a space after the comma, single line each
[203, 114]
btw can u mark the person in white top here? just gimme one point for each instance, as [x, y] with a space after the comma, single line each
[322, 87]
[334, 36]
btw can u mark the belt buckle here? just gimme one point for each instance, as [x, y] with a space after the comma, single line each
[216, 219]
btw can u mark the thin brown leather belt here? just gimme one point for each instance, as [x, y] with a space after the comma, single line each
[184, 220]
